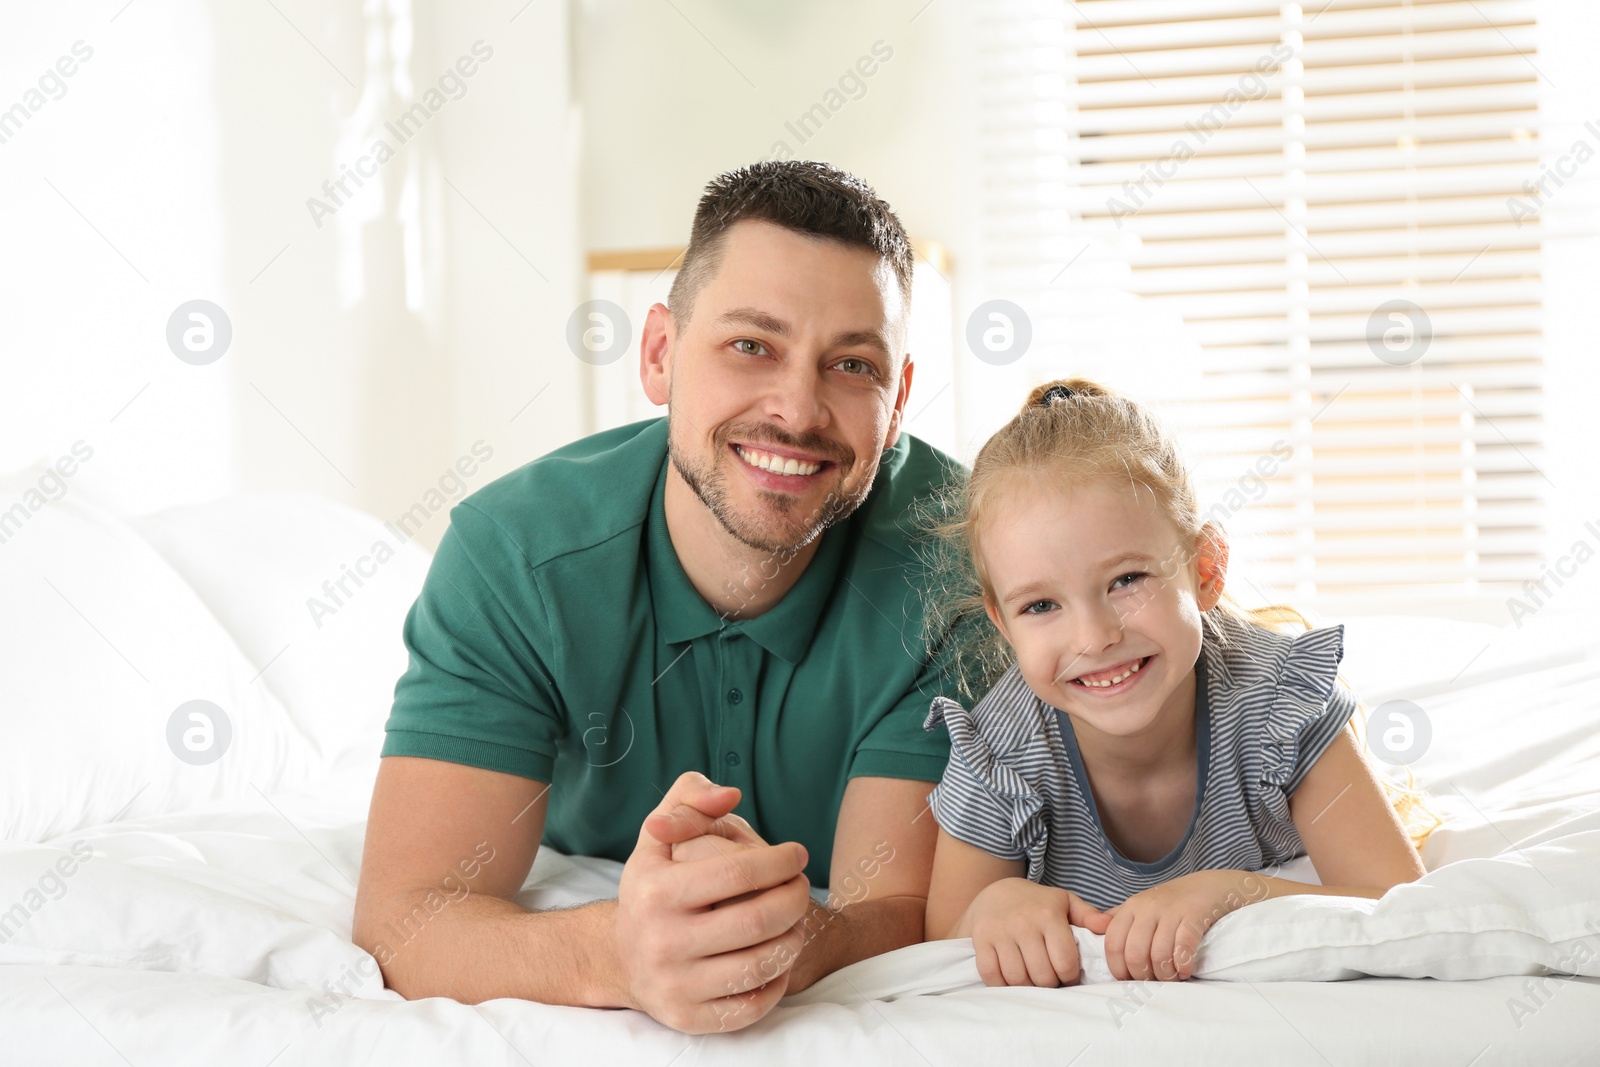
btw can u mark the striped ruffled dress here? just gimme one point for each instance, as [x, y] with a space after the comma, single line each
[1266, 708]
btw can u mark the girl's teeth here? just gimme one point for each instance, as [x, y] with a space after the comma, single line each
[1107, 682]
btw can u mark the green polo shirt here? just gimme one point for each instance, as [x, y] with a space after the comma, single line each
[558, 638]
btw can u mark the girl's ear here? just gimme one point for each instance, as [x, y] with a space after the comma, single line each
[1211, 563]
[994, 617]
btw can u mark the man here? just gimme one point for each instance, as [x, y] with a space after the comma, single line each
[729, 591]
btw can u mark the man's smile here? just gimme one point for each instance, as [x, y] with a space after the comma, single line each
[780, 461]
[781, 469]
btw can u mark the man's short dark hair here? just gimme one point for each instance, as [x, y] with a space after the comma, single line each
[800, 195]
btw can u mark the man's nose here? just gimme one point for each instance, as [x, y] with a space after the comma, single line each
[795, 398]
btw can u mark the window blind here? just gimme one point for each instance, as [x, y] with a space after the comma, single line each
[1322, 195]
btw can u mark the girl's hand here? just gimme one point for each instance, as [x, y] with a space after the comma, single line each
[1021, 933]
[1155, 934]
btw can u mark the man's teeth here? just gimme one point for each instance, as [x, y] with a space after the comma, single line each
[1105, 682]
[776, 464]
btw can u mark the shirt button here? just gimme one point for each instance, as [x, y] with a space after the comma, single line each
[732, 758]
[734, 696]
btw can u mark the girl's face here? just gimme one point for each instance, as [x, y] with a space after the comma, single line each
[1102, 600]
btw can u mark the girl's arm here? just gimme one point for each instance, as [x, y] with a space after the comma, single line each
[1021, 931]
[960, 872]
[1351, 832]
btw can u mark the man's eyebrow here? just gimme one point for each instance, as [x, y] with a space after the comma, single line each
[757, 319]
[754, 318]
[861, 339]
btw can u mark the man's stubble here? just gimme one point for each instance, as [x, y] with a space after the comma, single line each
[709, 483]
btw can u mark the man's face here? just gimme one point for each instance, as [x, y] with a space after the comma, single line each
[786, 384]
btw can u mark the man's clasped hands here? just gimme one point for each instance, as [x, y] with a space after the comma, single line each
[712, 920]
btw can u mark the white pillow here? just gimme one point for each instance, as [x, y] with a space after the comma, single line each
[101, 642]
[270, 567]
[1533, 909]
[1408, 656]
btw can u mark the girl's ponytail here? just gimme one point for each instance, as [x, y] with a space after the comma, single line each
[1062, 390]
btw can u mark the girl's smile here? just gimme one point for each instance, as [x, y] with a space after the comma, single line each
[1101, 598]
[1114, 680]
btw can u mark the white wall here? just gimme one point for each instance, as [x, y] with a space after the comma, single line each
[369, 352]
[115, 215]
[1568, 33]
[372, 352]
[674, 94]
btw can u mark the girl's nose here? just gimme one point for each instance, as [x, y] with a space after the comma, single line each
[1095, 629]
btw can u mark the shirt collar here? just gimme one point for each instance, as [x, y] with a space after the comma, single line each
[785, 629]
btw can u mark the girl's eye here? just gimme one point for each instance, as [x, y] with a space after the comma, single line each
[1045, 604]
[1127, 580]
[756, 347]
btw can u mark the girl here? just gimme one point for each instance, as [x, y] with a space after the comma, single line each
[1152, 745]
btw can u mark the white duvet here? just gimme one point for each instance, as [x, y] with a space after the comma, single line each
[186, 935]
[217, 931]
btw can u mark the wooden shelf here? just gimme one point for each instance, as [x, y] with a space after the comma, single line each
[659, 259]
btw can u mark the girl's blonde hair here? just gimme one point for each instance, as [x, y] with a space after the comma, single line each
[1074, 432]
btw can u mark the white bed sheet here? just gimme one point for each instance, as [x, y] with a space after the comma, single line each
[261, 900]
[255, 900]
[211, 936]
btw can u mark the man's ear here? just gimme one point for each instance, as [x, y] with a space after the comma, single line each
[655, 353]
[897, 417]
[1211, 563]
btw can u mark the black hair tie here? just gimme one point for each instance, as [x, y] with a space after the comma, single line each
[1055, 393]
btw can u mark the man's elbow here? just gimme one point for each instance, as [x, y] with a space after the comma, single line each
[381, 927]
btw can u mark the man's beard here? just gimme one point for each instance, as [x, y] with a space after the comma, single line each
[709, 483]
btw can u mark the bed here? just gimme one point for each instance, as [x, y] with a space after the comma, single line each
[179, 890]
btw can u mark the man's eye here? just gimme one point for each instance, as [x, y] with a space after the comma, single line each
[756, 347]
[862, 367]
[1128, 579]
[1044, 605]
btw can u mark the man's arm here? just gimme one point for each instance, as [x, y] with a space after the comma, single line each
[449, 846]
[426, 818]
[878, 878]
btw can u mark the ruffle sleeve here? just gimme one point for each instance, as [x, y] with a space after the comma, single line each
[982, 799]
[1308, 708]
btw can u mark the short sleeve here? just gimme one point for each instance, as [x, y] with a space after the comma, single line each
[898, 745]
[965, 803]
[1309, 708]
[477, 690]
